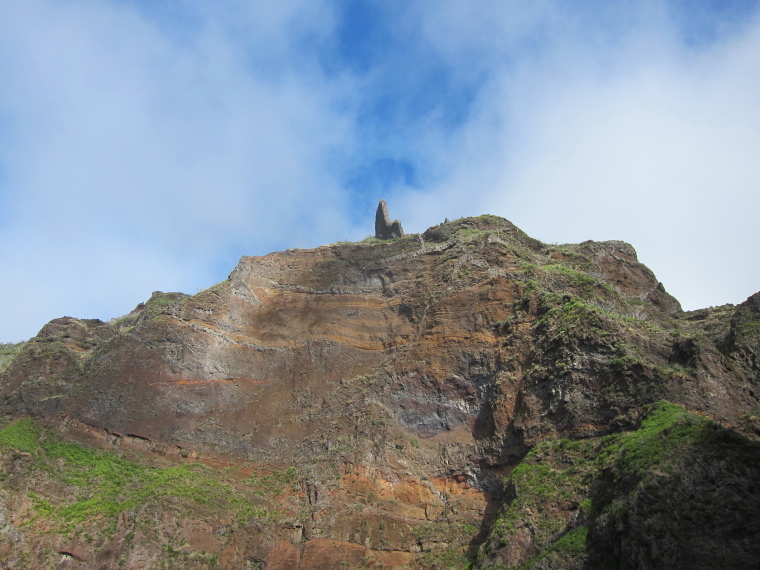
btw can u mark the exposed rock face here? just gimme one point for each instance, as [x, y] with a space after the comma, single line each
[403, 379]
[384, 228]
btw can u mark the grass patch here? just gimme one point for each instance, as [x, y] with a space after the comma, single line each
[472, 232]
[162, 304]
[572, 543]
[9, 351]
[274, 483]
[665, 427]
[575, 278]
[596, 483]
[451, 558]
[543, 491]
[108, 485]
[22, 435]
[572, 318]
[372, 240]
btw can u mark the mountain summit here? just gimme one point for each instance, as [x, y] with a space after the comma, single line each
[468, 395]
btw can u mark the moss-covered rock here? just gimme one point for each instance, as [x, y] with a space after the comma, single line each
[678, 492]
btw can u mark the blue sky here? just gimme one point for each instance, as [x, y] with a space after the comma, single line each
[147, 145]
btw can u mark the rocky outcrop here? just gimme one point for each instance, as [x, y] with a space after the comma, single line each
[402, 379]
[384, 228]
[674, 493]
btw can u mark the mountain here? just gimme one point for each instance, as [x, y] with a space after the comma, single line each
[465, 396]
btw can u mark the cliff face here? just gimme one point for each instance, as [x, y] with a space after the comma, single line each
[402, 380]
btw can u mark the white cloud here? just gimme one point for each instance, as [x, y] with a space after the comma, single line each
[147, 148]
[647, 141]
[132, 149]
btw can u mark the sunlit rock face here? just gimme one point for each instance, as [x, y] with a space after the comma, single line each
[403, 378]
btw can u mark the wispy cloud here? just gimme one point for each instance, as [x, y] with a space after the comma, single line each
[135, 159]
[612, 129]
[146, 146]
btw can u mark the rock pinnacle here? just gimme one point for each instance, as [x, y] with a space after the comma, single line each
[384, 228]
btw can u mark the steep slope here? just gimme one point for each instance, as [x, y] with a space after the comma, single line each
[678, 492]
[403, 379]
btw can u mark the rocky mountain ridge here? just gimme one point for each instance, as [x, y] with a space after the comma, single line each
[386, 390]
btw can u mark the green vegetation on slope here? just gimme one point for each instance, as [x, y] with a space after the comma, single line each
[8, 352]
[107, 485]
[680, 482]
[274, 483]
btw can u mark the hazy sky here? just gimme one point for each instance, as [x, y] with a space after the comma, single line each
[147, 145]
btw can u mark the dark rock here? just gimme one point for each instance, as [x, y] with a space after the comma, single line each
[384, 228]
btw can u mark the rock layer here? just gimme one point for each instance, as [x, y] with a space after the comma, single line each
[404, 378]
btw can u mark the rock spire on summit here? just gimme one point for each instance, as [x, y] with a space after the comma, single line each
[384, 228]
